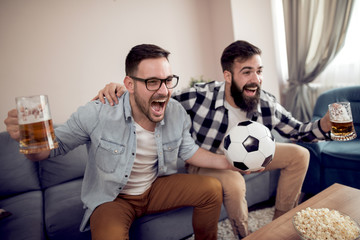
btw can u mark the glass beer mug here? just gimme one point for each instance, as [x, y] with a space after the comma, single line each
[342, 126]
[35, 123]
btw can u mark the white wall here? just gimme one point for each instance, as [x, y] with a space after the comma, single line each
[70, 49]
[253, 22]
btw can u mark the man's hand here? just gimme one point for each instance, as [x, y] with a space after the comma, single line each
[12, 124]
[111, 92]
[325, 123]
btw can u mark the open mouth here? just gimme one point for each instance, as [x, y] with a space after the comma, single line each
[250, 91]
[158, 106]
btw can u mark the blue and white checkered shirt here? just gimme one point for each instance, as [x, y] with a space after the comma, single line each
[205, 105]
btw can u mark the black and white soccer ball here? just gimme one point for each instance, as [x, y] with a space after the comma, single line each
[249, 146]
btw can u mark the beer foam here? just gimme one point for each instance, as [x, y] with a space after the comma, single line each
[340, 114]
[32, 115]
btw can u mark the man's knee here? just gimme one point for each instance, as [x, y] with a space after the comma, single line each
[212, 186]
[302, 156]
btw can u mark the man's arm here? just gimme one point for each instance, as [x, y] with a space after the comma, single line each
[206, 159]
[12, 126]
[290, 127]
[111, 92]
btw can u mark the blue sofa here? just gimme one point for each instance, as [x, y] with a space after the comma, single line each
[334, 161]
[44, 199]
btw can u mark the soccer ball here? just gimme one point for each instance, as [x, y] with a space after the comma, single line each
[249, 146]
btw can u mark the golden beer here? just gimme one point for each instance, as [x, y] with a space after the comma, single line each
[35, 124]
[342, 128]
[37, 137]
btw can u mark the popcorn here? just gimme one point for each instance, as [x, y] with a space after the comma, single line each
[326, 224]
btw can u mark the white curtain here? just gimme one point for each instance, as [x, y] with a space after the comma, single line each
[344, 70]
[315, 32]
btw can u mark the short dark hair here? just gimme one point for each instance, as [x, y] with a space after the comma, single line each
[239, 50]
[141, 52]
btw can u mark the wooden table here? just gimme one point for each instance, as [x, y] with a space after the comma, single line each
[339, 197]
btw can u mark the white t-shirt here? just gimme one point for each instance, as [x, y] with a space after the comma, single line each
[144, 171]
[235, 116]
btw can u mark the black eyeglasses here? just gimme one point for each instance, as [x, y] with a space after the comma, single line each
[154, 84]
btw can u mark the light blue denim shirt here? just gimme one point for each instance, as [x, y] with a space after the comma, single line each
[109, 133]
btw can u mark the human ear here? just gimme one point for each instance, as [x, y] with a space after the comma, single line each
[227, 76]
[129, 84]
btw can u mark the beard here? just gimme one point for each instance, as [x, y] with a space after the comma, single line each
[245, 103]
[145, 105]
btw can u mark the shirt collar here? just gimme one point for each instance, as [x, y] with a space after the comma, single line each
[127, 106]
[220, 100]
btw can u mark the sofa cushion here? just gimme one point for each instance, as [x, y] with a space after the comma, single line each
[341, 163]
[64, 211]
[343, 155]
[26, 221]
[17, 173]
[65, 168]
[262, 191]
[152, 226]
[348, 177]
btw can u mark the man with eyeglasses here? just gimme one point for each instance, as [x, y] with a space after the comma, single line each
[133, 152]
[217, 106]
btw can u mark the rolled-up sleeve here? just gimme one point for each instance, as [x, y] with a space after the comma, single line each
[188, 146]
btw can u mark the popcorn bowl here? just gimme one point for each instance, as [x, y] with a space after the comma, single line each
[323, 223]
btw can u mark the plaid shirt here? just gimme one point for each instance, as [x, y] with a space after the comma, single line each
[205, 105]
